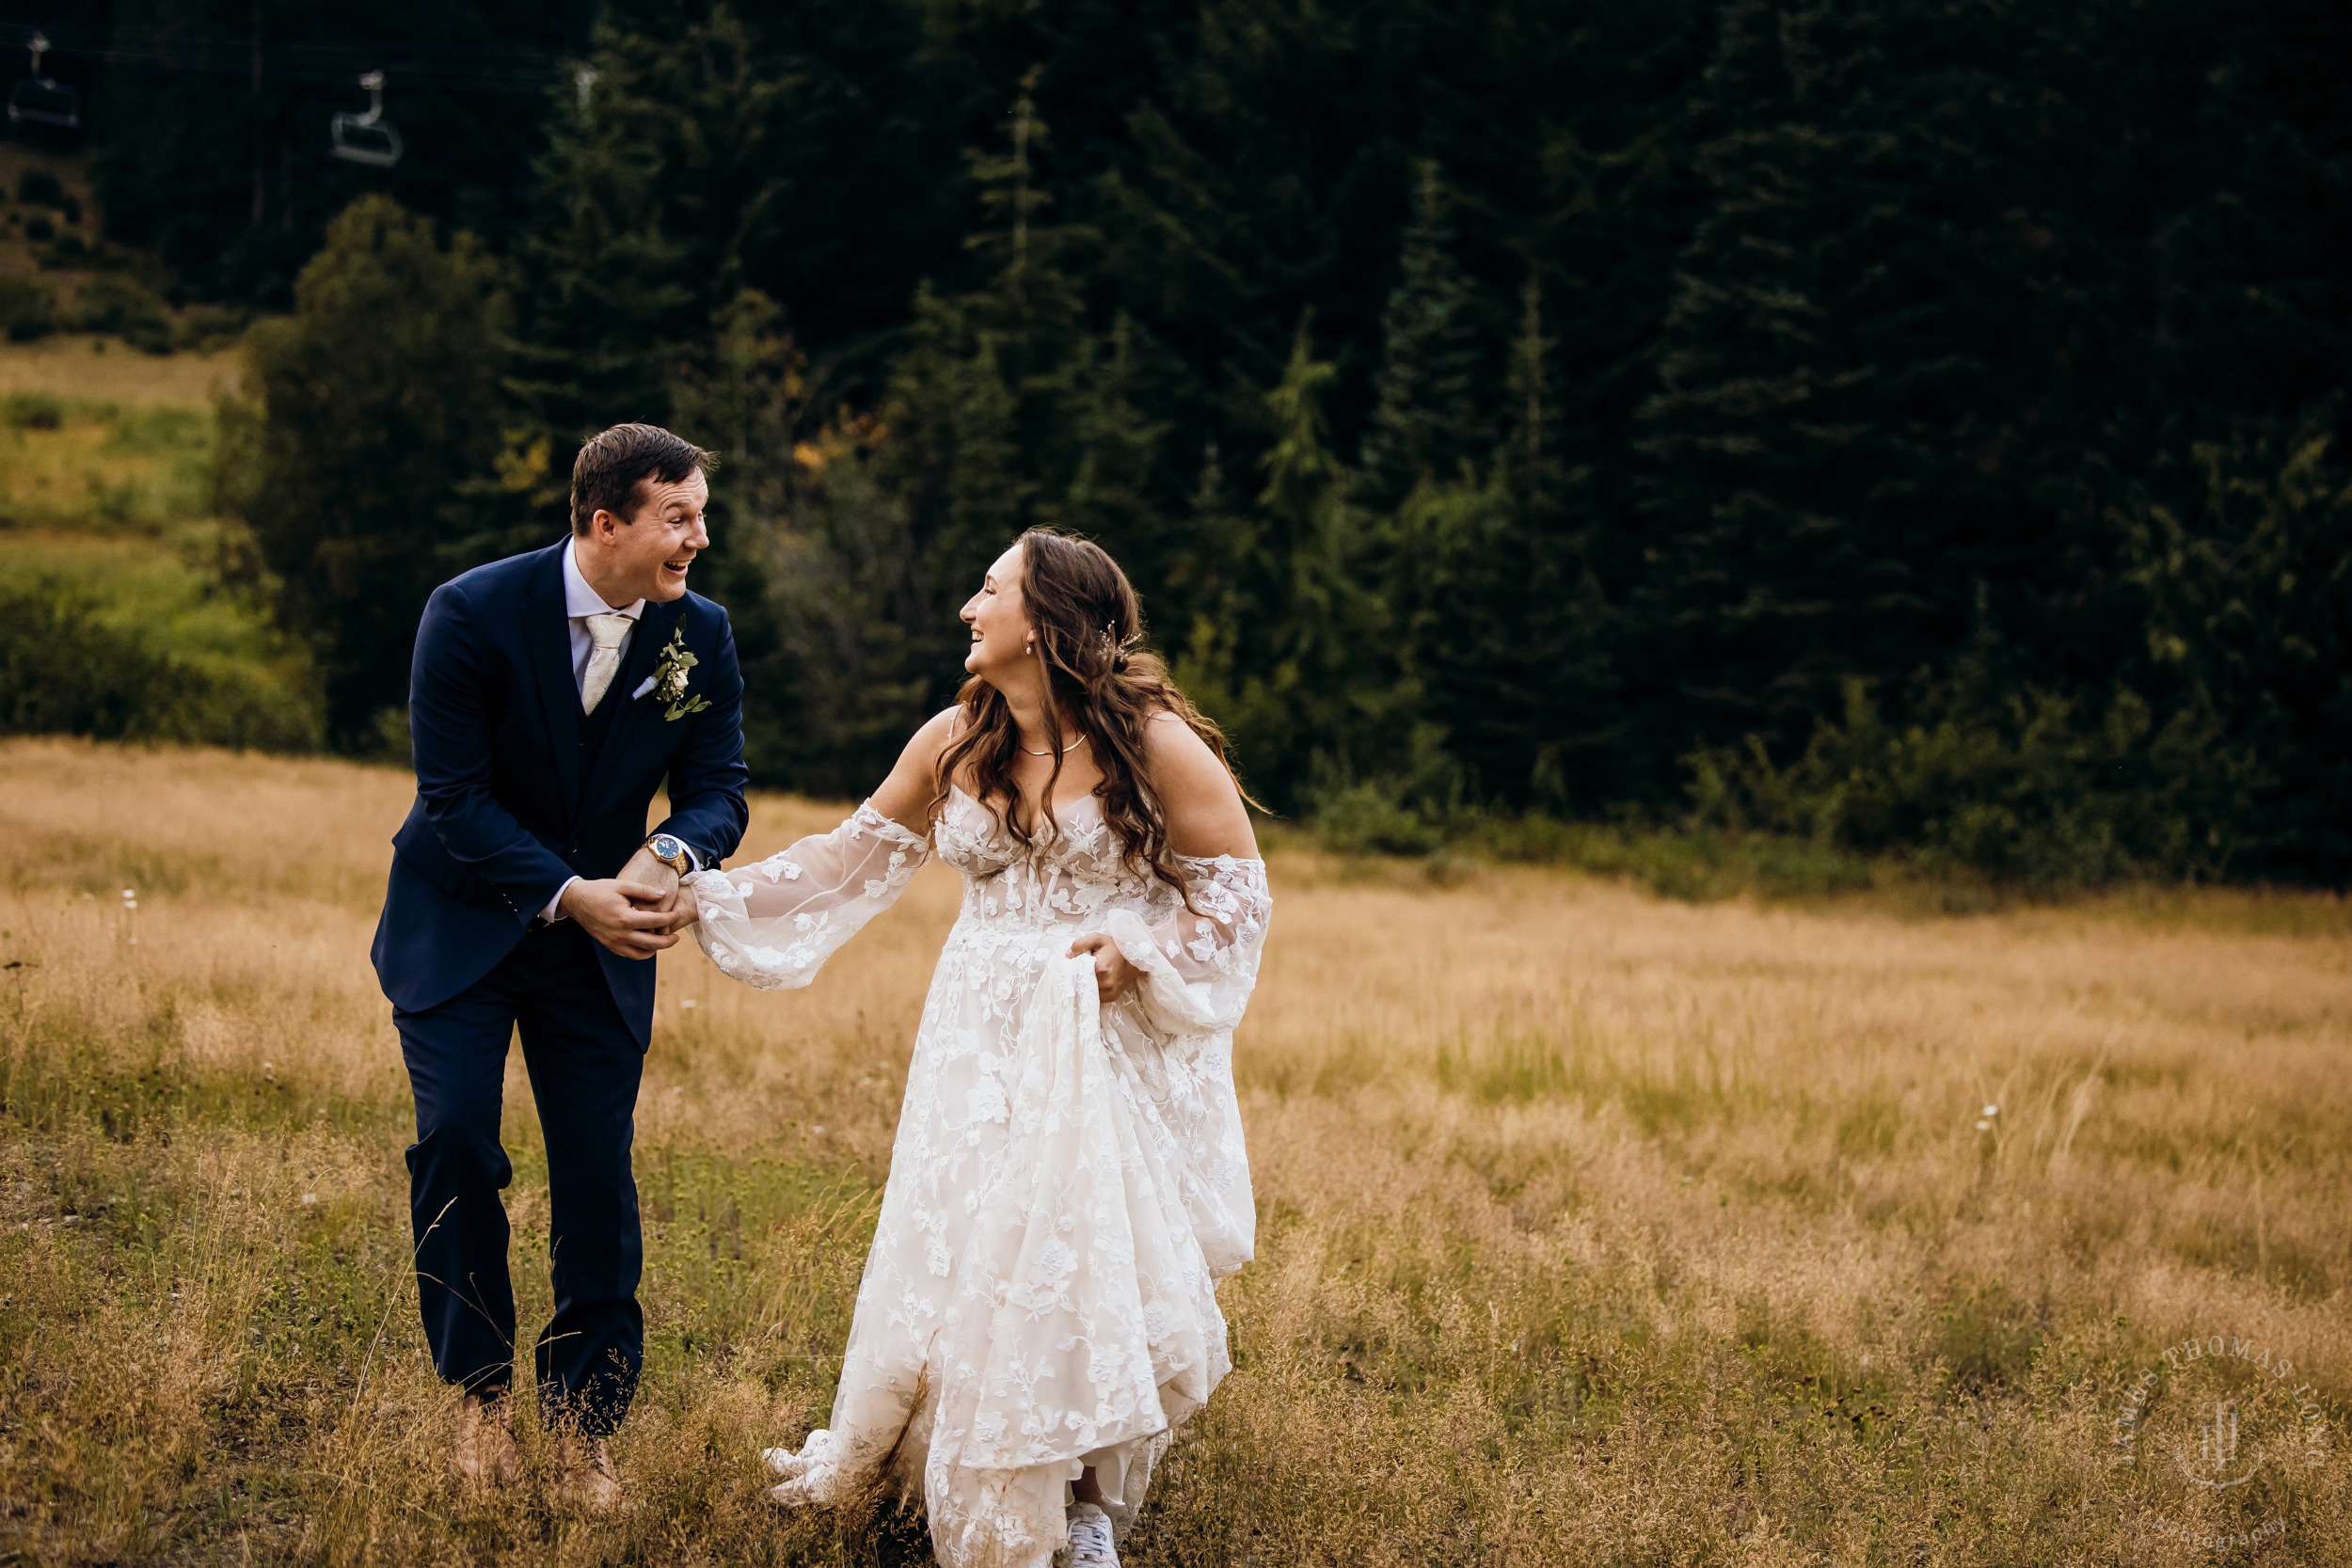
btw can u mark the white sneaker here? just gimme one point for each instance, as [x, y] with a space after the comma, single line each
[786, 1462]
[1089, 1539]
[811, 1477]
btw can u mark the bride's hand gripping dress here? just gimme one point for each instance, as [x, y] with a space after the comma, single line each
[1069, 1180]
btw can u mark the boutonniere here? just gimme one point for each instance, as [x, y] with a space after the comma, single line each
[669, 678]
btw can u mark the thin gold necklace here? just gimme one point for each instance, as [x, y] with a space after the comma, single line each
[1049, 751]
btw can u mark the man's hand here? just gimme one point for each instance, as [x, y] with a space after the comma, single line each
[643, 869]
[628, 916]
[679, 907]
[1113, 974]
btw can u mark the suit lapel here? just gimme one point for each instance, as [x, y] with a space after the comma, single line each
[546, 632]
[645, 651]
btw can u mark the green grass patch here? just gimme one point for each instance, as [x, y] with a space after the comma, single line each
[114, 620]
[81, 464]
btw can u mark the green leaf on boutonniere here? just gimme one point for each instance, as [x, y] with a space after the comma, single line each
[670, 674]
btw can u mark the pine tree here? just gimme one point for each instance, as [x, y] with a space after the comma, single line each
[1319, 687]
[659, 177]
[1428, 422]
[1110, 497]
[1824, 473]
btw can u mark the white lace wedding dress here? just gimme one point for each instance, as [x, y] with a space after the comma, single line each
[1069, 1181]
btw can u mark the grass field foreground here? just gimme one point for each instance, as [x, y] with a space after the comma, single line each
[1595, 1229]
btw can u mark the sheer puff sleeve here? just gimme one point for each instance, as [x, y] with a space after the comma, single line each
[1201, 963]
[773, 924]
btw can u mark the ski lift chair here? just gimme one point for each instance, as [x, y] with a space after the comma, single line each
[368, 139]
[39, 99]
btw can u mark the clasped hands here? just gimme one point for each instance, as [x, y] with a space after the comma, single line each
[635, 914]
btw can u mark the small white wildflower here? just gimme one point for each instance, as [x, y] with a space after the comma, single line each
[1992, 1110]
[129, 893]
[1984, 1127]
[310, 1198]
[687, 1001]
[816, 1130]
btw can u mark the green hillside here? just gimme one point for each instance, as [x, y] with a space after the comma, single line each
[125, 606]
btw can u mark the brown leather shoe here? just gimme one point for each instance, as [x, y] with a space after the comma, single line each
[485, 1451]
[585, 1476]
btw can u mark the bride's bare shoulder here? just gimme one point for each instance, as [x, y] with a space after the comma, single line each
[1205, 815]
[938, 730]
[906, 796]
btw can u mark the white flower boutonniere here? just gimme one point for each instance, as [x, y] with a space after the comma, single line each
[669, 678]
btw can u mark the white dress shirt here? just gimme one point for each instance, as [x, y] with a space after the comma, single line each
[579, 602]
[582, 601]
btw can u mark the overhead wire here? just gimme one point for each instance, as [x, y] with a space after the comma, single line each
[416, 65]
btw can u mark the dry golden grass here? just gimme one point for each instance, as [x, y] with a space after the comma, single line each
[81, 365]
[1595, 1229]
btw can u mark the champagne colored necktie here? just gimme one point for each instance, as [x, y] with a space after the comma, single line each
[605, 663]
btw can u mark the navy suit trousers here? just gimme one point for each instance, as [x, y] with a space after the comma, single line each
[585, 1065]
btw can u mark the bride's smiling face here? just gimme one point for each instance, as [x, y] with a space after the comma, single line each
[1000, 629]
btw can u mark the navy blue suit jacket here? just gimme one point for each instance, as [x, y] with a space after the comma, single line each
[503, 818]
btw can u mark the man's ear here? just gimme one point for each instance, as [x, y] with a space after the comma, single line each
[604, 527]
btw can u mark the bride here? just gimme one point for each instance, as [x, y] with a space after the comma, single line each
[1069, 1184]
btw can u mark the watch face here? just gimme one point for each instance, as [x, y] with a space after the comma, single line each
[665, 848]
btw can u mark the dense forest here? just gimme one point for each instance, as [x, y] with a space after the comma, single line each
[1911, 425]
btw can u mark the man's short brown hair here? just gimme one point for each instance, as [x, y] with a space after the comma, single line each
[609, 469]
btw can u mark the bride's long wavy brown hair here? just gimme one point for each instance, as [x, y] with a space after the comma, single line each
[1102, 682]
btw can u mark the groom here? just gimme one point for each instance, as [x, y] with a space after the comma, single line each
[551, 694]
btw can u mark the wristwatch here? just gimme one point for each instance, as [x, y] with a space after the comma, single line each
[671, 852]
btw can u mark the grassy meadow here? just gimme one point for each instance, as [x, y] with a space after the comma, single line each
[1595, 1227]
[111, 557]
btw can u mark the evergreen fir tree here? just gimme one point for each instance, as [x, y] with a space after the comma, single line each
[1318, 683]
[659, 176]
[1821, 491]
[1426, 422]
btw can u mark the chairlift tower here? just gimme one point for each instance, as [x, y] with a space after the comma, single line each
[368, 139]
[39, 98]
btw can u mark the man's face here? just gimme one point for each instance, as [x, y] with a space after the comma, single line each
[646, 556]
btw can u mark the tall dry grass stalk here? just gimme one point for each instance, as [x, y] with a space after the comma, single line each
[1594, 1229]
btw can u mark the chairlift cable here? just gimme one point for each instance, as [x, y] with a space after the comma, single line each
[421, 66]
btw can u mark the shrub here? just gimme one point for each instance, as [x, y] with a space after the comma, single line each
[2025, 785]
[37, 187]
[27, 311]
[64, 670]
[1368, 819]
[40, 228]
[132, 313]
[206, 327]
[33, 411]
[2248, 584]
